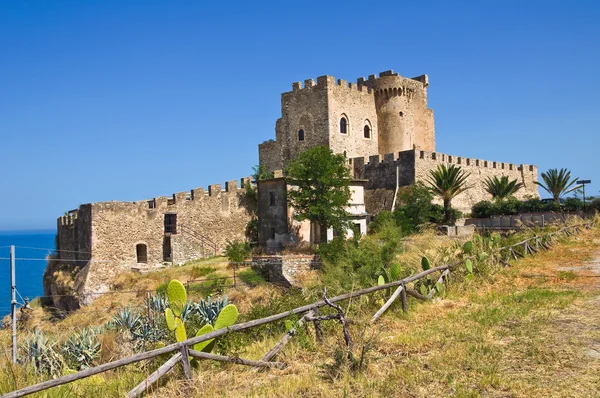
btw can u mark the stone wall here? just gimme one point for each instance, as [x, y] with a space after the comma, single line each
[287, 269]
[404, 119]
[356, 104]
[111, 232]
[415, 165]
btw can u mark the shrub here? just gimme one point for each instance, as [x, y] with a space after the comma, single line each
[237, 250]
[415, 208]
[198, 272]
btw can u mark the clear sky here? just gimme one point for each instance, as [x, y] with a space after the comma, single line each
[123, 100]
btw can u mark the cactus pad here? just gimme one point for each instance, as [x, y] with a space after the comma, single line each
[425, 264]
[177, 296]
[469, 265]
[468, 247]
[395, 271]
[207, 345]
[227, 317]
[170, 318]
[380, 280]
[180, 334]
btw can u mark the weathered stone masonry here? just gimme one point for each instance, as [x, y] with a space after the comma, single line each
[111, 237]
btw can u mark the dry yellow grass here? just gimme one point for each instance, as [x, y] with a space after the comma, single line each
[528, 330]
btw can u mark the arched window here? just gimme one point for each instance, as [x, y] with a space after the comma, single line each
[300, 135]
[141, 251]
[367, 131]
[343, 125]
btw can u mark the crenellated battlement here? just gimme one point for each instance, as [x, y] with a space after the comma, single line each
[440, 158]
[443, 158]
[325, 82]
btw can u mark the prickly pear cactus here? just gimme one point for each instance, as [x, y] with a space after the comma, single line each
[173, 315]
[395, 271]
[177, 296]
[425, 264]
[206, 346]
[468, 247]
[227, 317]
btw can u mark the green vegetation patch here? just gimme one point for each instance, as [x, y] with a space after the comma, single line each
[251, 277]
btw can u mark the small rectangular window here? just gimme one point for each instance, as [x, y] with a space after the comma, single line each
[170, 223]
[357, 228]
[271, 198]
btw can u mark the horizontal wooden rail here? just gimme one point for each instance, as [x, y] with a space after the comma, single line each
[176, 347]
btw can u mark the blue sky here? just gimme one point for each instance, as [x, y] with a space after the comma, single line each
[103, 100]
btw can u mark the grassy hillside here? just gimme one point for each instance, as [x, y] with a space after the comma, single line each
[530, 329]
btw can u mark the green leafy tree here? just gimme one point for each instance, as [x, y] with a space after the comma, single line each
[322, 189]
[447, 183]
[415, 208]
[558, 183]
[237, 250]
[502, 188]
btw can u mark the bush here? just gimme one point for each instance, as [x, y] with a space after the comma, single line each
[237, 250]
[485, 208]
[198, 272]
[415, 208]
[357, 263]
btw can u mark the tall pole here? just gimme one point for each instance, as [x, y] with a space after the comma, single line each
[13, 304]
[583, 197]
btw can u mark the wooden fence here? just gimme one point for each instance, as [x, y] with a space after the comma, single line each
[182, 350]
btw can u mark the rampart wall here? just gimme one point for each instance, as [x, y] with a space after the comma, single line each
[111, 231]
[415, 165]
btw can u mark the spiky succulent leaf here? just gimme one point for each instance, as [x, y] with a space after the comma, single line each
[469, 265]
[180, 334]
[227, 317]
[177, 296]
[468, 247]
[170, 318]
[207, 345]
[425, 264]
[395, 271]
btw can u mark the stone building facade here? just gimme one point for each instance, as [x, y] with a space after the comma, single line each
[277, 227]
[382, 114]
[99, 240]
[382, 124]
[386, 130]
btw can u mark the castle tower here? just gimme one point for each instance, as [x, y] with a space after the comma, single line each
[404, 120]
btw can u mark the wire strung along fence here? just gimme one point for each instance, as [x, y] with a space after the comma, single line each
[182, 350]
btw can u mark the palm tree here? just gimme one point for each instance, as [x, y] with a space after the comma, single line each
[448, 182]
[502, 188]
[558, 183]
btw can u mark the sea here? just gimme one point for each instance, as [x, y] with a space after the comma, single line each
[31, 249]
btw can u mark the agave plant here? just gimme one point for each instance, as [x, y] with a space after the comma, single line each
[147, 333]
[42, 354]
[502, 188]
[156, 302]
[209, 310]
[448, 182]
[127, 318]
[81, 349]
[558, 183]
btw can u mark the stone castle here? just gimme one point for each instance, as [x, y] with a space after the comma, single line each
[382, 124]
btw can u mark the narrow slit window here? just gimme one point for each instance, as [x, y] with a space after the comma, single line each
[271, 198]
[300, 135]
[367, 131]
